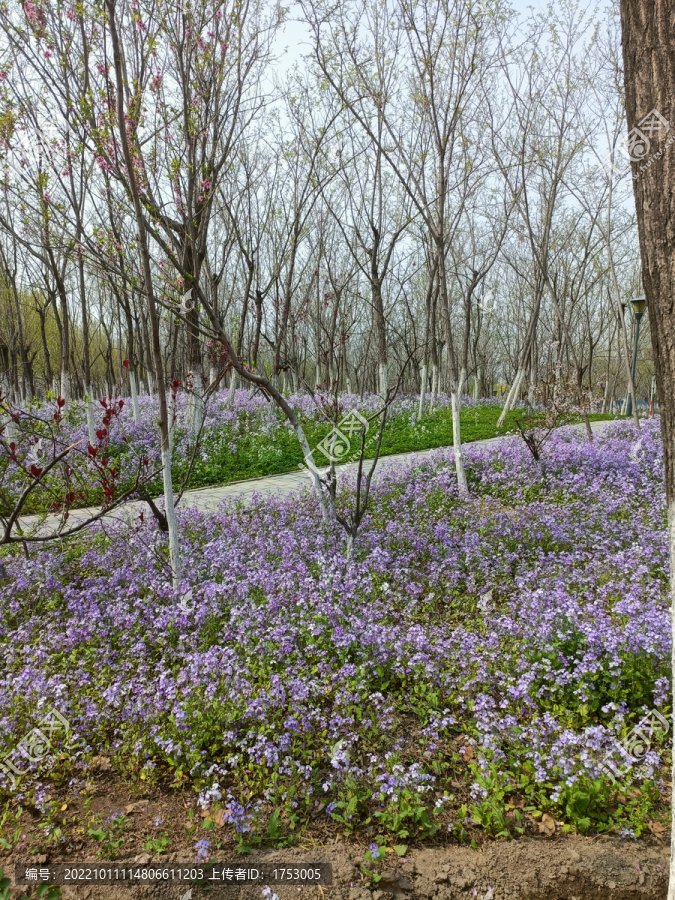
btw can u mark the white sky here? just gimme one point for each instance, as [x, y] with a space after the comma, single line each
[294, 40]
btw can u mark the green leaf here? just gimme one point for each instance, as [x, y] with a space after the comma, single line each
[401, 849]
[273, 829]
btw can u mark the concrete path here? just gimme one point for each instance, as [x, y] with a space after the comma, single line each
[209, 498]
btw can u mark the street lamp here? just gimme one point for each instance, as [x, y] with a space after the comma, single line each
[638, 305]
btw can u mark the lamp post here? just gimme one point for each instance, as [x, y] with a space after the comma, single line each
[638, 305]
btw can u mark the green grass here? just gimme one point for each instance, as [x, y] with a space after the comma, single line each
[256, 457]
[255, 447]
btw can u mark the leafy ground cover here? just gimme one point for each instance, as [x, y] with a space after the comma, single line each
[467, 673]
[251, 439]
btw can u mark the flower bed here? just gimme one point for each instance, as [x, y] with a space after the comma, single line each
[473, 665]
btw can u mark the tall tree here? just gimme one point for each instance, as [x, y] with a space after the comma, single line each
[648, 28]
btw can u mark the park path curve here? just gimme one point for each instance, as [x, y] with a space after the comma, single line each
[208, 499]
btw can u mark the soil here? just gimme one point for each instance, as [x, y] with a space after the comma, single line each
[564, 869]
[537, 866]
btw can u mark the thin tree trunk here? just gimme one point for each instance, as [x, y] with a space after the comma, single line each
[514, 393]
[134, 396]
[169, 510]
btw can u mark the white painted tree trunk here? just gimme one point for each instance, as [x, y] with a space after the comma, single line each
[10, 428]
[213, 375]
[64, 389]
[530, 393]
[89, 403]
[172, 422]
[171, 521]
[382, 373]
[313, 473]
[6, 393]
[134, 397]
[462, 382]
[233, 388]
[195, 404]
[423, 390]
[434, 386]
[462, 483]
[512, 396]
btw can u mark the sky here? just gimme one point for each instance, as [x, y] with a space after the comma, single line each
[294, 39]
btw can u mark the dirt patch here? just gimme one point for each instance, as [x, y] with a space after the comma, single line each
[564, 869]
[535, 867]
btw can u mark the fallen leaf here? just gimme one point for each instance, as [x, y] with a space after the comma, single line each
[220, 817]
[206, 813]
[64, 807]
[547, 825]
[468, 752]
[516, 803]
[131, 808]
[656, 828]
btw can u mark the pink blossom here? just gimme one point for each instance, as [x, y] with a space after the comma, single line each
[33, 13]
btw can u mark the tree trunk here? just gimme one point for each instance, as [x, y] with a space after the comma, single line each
[648, 28]
[434, 385]
[233, 388]
[169, 509]
[514, 393]
[86, 363]
[134, 396]
[462, 483]
[423, 388]
[454, 382]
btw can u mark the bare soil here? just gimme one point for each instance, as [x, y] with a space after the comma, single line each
[534, 867]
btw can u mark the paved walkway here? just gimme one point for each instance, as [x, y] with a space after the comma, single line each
[209, 498]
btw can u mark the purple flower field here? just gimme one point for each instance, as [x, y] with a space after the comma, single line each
[503, 643]
[243, 436]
